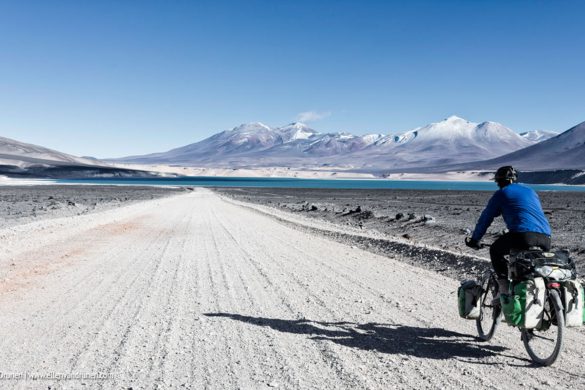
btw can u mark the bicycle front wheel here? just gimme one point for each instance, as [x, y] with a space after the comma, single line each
[545, 344]
[490, 312]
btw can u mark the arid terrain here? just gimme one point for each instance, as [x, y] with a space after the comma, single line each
[440, 219]
[198, 290]
[21, 204]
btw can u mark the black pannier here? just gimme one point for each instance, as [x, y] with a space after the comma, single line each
[523, 263]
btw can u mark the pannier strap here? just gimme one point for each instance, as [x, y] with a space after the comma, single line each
[534, 290]
[574, 294]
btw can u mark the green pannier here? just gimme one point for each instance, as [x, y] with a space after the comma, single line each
[468, 297]
[512, 309]
[525, 307]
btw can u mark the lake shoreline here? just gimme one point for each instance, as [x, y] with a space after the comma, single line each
[269, 182]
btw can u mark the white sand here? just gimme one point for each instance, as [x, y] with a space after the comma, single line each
[447, 176]
[8, 181]
[260, 172]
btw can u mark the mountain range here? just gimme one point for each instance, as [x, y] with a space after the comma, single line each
[453, 144]
[452, 140]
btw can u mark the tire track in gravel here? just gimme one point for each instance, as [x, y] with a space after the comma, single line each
[91, 324]
[123, 301]
[329, 355]
[148, 350]
[227, 365]
[328, 273]
[267, 301]
[112, 298]
[240, 348]
[117, 302]
[184, 316]
[268, 358]
[247, 283]
[334, 276]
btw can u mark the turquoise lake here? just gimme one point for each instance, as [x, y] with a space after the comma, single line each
[202, 181]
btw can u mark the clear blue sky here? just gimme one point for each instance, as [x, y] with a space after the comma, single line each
[114, 78]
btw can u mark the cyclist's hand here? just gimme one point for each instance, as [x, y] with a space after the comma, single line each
[470, 242]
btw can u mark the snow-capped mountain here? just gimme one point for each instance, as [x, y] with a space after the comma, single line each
[247, 143]
[337, 144]
[452, 140]
[295, 131]
[371, 139]
[458, 133]
[21, 154]
[538, 135]
[246, 138]
[564, 151]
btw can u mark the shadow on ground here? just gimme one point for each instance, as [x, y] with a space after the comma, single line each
[430, 343]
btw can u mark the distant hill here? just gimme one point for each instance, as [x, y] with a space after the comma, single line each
[562, 152]
[19, 159]
[21, 154]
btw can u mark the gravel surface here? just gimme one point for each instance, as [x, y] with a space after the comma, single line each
[21, 204]
[441, 219]
[194, 291]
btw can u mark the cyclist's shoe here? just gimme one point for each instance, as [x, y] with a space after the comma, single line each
[503, 286]
[470, 242]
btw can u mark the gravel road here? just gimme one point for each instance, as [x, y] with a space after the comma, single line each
[196, 292]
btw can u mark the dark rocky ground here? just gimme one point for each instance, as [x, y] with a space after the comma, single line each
[21, 204]
[440, 218]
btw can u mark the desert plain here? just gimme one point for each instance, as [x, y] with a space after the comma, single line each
[137, 287]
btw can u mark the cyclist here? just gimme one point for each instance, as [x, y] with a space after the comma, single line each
[520, 207]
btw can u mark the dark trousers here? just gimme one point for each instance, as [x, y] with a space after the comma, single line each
[502, 246]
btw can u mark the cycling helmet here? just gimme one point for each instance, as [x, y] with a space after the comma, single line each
[506, 175]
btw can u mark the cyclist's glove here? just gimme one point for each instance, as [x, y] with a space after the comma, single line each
[470, 242]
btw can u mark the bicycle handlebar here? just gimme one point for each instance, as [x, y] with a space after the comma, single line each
[479, 245]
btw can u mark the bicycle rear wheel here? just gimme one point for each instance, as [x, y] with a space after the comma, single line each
[545, 345]
[490, 314]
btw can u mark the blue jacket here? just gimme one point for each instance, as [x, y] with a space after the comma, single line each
[519, 206]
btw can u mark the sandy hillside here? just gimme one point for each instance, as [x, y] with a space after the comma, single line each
[196, 292]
